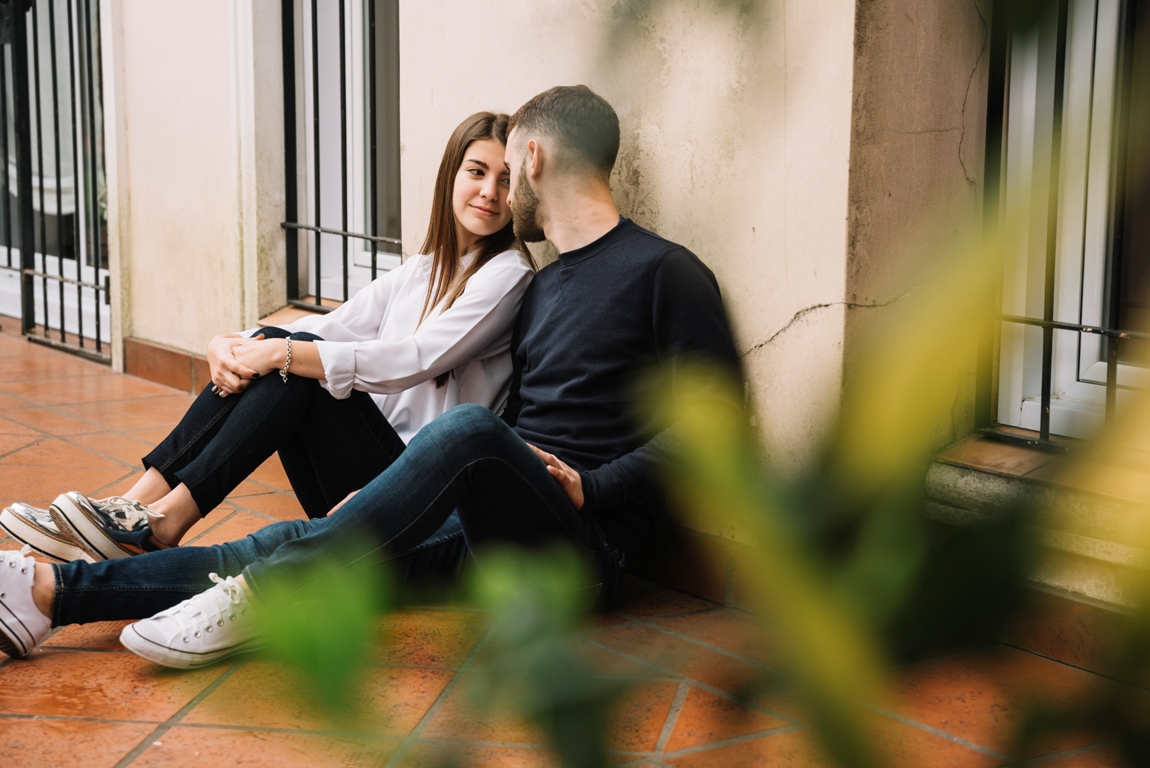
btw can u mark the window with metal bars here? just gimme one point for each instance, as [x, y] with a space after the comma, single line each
[1069, 167]
[53, 186]
[341, 98]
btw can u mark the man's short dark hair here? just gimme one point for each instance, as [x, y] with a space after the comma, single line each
[580, 120]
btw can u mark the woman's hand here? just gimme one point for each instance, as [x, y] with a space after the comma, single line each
[568, 478]
[261, 356]
[228, 374]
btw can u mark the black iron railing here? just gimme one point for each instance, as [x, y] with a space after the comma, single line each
[385, 242]
[996, 124]
[52, 250]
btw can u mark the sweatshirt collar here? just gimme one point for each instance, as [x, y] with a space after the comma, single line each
[596, 246]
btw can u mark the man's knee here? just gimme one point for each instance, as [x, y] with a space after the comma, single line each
[463, 425]
[470, 417]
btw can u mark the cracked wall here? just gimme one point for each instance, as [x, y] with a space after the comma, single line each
[787, 143]
[917, 143]
[735, 119]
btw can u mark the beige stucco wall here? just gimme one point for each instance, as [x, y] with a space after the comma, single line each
[735, 142]
[789, 144]
[193, 92]
[916, 169]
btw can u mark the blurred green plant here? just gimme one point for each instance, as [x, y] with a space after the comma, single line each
[844, 565]
[322, 622]
[533, 662]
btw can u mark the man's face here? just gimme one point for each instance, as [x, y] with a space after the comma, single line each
[522, 199]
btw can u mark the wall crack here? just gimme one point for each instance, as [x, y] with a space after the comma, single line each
[969, 83]
[816, 307]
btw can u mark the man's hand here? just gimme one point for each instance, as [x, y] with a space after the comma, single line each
[346, 499]
[229, 376]
[568, 478]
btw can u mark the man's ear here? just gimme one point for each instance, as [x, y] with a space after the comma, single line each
[534, 159]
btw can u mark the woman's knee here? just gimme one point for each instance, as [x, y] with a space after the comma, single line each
[305, 336]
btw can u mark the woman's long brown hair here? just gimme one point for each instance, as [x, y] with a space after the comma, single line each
[447, 281]
[442, 242]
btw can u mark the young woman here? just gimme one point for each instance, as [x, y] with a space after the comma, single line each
[338, 395]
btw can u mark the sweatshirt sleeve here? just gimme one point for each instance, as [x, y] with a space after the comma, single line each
[688, 323]
[477, 325]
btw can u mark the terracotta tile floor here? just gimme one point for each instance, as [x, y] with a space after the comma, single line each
[83, 700]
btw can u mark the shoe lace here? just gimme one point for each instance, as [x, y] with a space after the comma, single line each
[127, 509]
[15, 558]
[208, 609]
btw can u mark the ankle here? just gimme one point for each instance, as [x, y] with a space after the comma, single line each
[44, 588]
[167, 536]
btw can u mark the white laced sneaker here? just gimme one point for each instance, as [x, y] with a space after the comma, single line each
[22, 626]
[201, 630]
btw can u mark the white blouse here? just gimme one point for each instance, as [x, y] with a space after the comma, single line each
[374, 342]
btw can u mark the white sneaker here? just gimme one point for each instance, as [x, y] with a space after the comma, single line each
[202, 630]
[36, 528]
[22, 626]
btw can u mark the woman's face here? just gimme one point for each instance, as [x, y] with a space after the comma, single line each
[480, 195]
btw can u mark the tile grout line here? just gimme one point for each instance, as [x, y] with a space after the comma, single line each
[412, 737]
[1075, 666]
[103, 488]
[1037, 761]
[679, 677]
[702, 643]
[940, 733]
[672, 718]
[210, 528]
[168, 724]
[734, 741]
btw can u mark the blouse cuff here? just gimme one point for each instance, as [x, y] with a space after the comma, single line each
[338, 360]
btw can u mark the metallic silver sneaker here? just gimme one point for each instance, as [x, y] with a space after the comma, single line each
[36, 528]
[202, 630]
[105, 528]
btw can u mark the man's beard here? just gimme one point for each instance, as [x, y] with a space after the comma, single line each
[524, 210]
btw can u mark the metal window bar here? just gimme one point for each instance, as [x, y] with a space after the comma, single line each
[77, 242]
[293, 225]
[1048, 324]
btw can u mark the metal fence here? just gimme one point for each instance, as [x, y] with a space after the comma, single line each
[342, 146]
[53, 228]
[1113, 336]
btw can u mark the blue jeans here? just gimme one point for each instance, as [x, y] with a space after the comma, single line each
[328, 447]
[467, 462]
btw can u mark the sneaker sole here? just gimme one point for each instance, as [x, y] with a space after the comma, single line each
[44, 543]
[175, 659]
[10, 641]
[89, 534]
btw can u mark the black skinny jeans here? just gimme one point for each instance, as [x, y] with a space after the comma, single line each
[328, 447]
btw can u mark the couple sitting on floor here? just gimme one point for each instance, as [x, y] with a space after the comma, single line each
[384, 411]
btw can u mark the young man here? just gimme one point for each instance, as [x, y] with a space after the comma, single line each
[566, 461]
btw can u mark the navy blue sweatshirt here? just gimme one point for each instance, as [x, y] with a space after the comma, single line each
[590, 323]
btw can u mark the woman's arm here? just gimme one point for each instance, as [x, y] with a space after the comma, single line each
[266, 356]
[236, 359]
[477, 325]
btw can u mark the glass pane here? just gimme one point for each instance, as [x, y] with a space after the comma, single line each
[1133, 246]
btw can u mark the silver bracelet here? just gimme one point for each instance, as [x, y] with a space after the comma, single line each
[287, 362]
